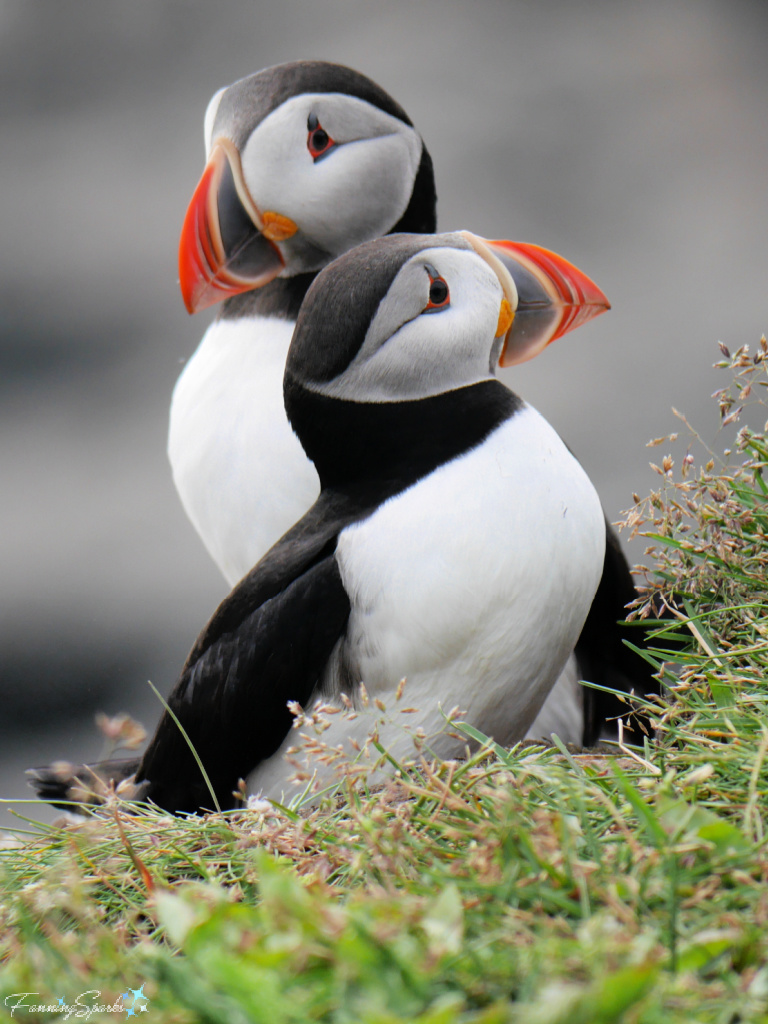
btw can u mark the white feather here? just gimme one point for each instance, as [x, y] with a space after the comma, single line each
[240, 470]
[563, 711]
[210, 117]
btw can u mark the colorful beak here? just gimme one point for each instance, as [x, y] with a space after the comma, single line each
[549, 295]
[223, 249]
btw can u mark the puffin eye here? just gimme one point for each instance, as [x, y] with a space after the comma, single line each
[439, 295]
[319, 141]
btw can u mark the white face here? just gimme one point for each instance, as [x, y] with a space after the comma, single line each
[411, 353]
[210, 117]
[358, 190]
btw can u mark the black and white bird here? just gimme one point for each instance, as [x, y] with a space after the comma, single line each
[456, 542]
[305, 161]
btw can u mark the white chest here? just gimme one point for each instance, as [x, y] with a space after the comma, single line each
[475, 583]
[240, 471]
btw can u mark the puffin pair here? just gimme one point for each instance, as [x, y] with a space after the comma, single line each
[455, 541]
[305, 161]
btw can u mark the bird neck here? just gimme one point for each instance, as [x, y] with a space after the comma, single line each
[373, 450]
[420, 217]
[281, 298]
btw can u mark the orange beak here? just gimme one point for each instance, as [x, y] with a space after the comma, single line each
[224, 249]
[548, 295]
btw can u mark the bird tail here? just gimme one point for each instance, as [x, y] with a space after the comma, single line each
[63, 784]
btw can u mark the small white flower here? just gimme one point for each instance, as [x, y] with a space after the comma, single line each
[258, 804]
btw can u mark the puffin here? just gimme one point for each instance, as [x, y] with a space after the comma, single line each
[455, 543]
[306, 160]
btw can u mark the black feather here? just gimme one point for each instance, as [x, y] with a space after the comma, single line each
[604, 658]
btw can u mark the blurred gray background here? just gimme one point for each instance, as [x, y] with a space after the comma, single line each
[632, 138]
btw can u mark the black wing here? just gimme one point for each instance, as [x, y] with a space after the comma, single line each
[267, 644]
[233, 693]
[602, 655]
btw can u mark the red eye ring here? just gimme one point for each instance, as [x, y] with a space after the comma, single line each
[439, 293]
[319, 142]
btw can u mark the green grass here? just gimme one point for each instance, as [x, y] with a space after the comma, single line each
[533, 885]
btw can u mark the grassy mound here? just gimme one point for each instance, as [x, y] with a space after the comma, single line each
[533, 885]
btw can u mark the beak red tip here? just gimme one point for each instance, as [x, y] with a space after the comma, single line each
[210, 269]
[198, 261]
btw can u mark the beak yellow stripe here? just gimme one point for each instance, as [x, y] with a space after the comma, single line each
[506, 316]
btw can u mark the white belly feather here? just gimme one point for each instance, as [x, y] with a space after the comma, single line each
[474, 584]
[241, 474]
[563, 711]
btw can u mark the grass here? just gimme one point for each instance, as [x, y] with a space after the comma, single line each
[533, 885]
